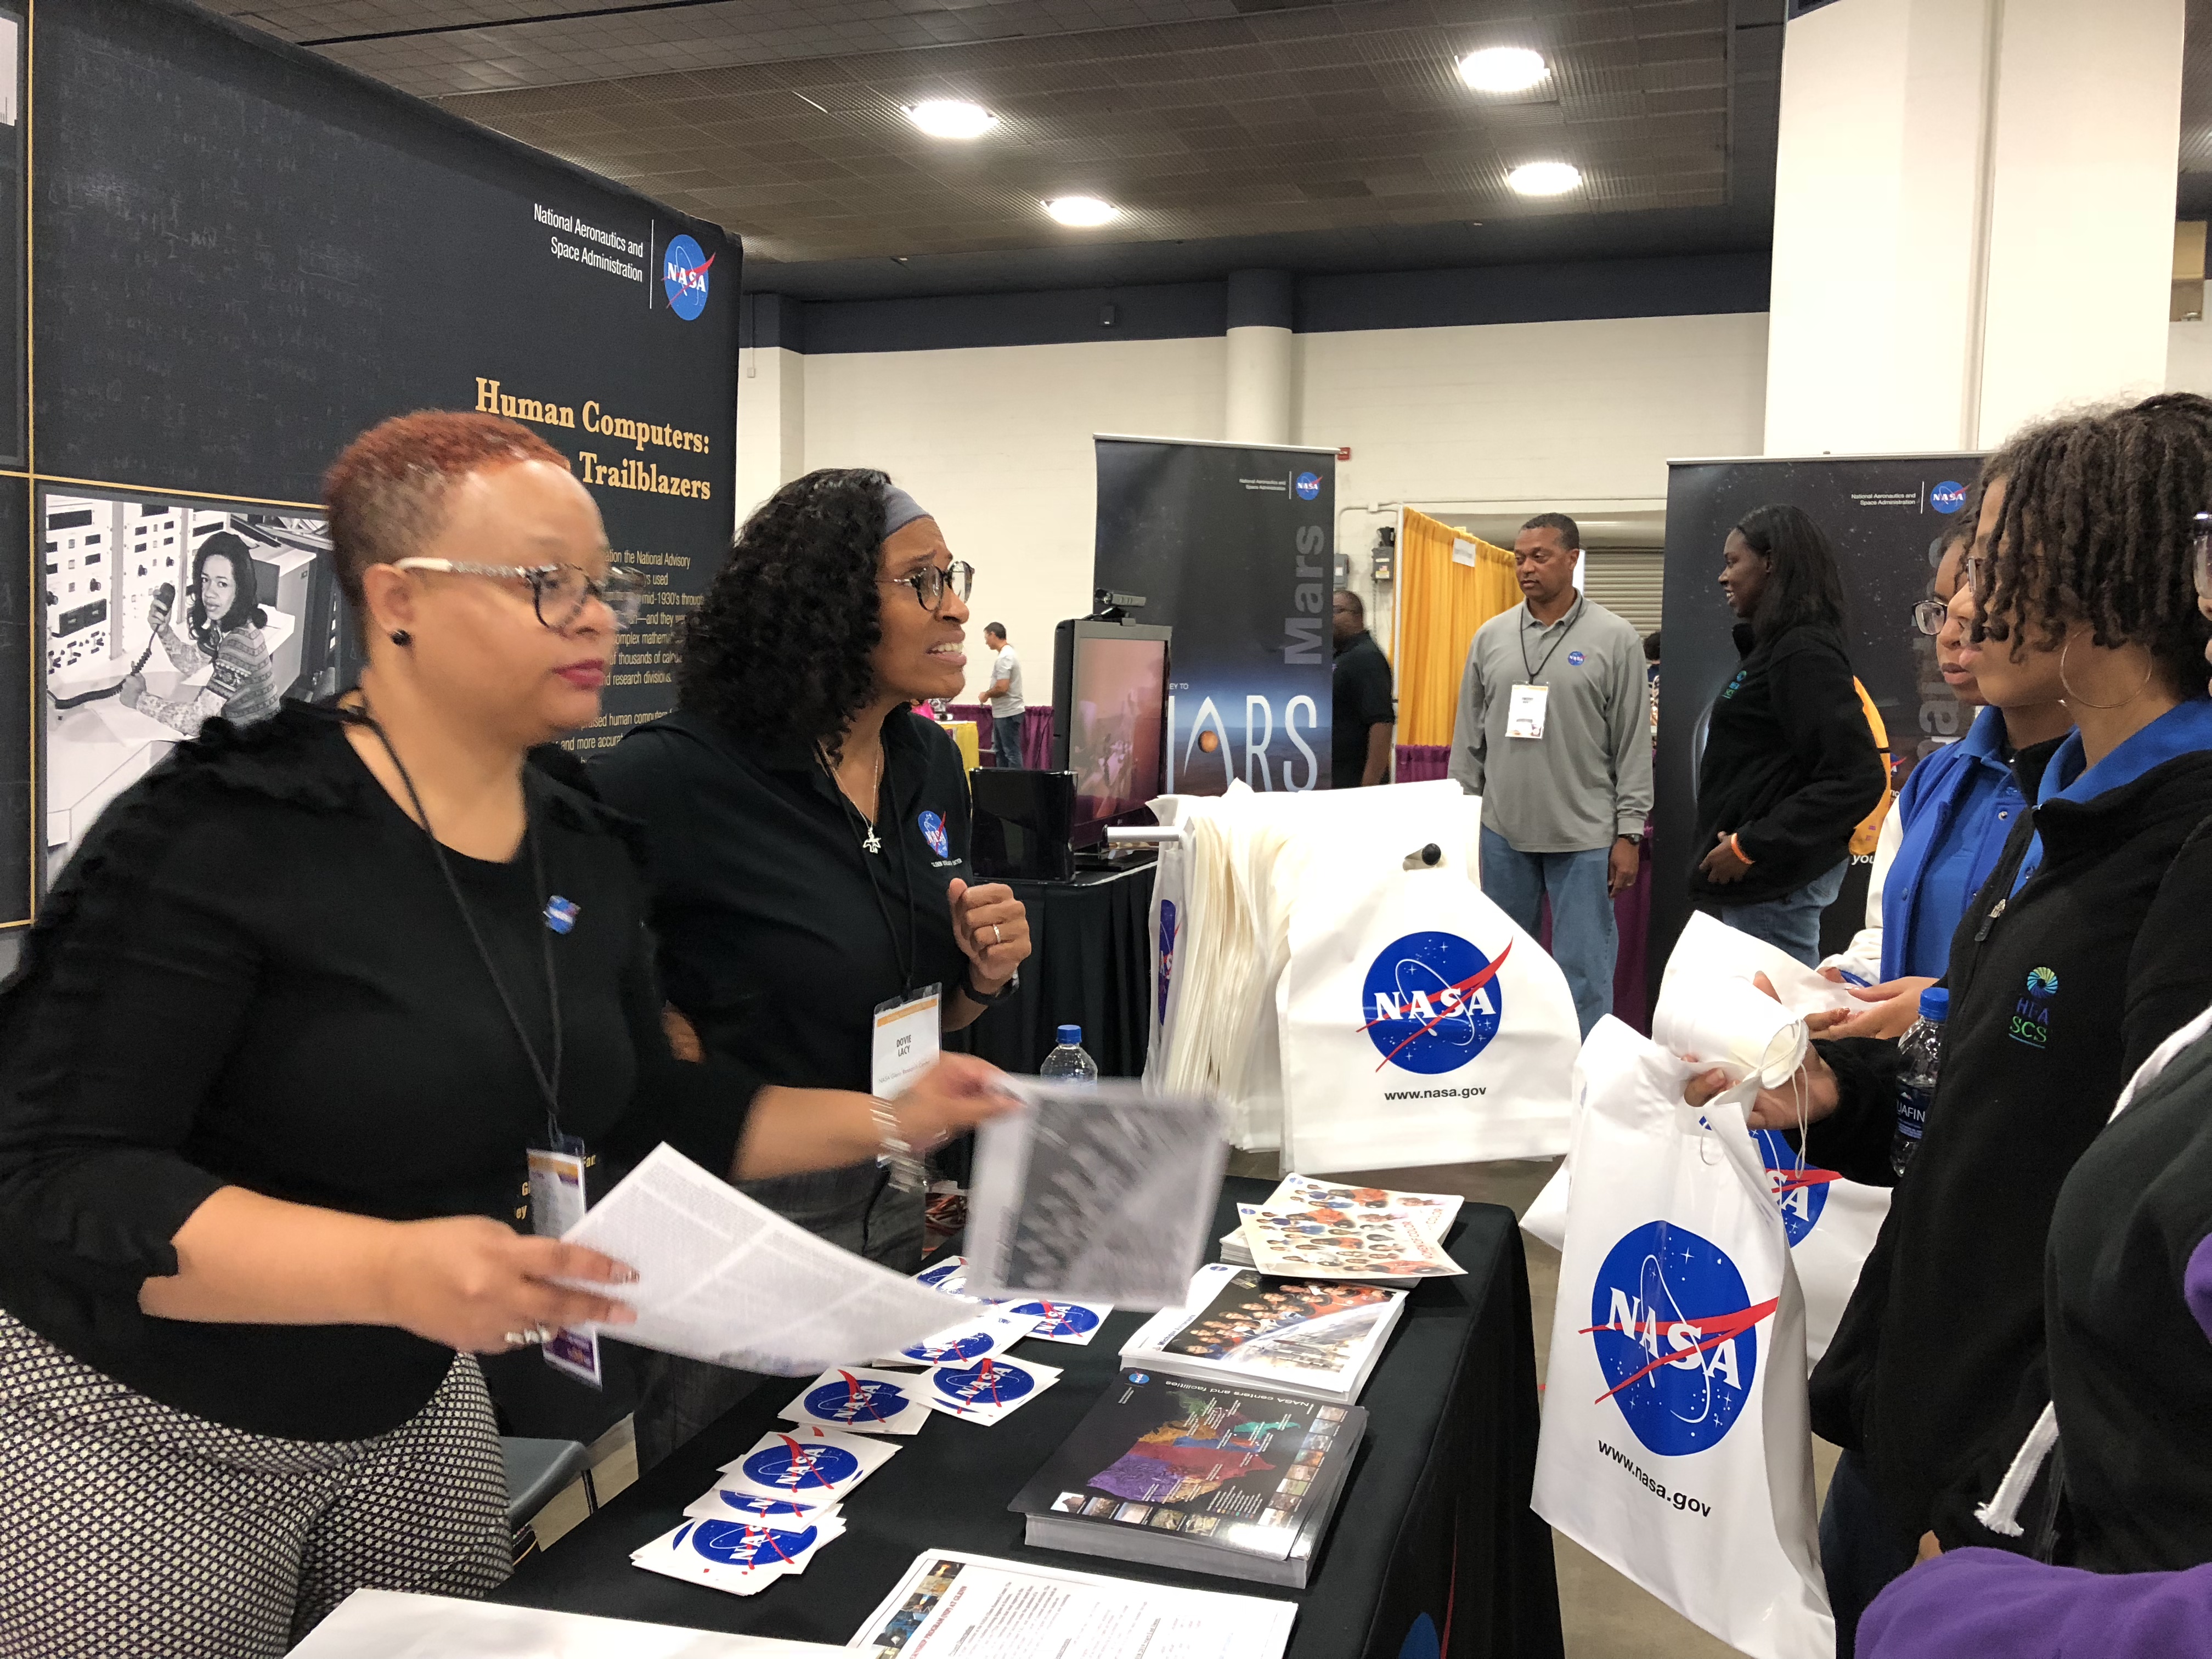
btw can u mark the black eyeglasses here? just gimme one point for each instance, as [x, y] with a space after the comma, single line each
[930, 582]
[2201, 561]
[559, 591]
[1928, 616]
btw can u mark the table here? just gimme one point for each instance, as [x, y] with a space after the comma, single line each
[1091, 964]
[1434, 1551]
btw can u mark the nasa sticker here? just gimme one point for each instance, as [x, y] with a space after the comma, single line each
[683, 268]
[808, 1462]
[932, 831]
[561, 913]
[1574, 658]
[1800, 1191]
[785, 1514]
[736, 1544]
[971, 1340]
[1073, 1322]
[986, 1390]
[1676, 1335]
[865, 1402]
[1432, 1002]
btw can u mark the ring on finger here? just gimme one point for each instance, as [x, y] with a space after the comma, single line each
[527, 1337]
[996, 937]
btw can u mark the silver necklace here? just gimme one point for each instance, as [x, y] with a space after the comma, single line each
[870, 842]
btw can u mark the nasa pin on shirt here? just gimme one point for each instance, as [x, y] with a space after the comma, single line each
[861, 1401]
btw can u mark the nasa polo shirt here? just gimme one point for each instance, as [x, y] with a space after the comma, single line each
[779, 935]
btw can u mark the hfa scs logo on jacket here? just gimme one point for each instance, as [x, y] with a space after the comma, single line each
[2031, 1011]
[1677, 1337]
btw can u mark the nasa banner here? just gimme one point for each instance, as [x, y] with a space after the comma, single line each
[1882, 514]
[1231, 545]
[245, 256]
[1418, 1024]
[1676, 1445]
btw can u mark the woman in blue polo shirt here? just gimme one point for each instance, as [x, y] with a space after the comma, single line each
[1952, 819]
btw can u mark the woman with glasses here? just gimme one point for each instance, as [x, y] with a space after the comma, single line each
[808, 843]
[272, 1067]
[1952, 820]
[2080, 954]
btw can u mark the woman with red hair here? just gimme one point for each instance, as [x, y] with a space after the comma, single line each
[261, 1140]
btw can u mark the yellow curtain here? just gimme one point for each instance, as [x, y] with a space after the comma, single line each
[1442, 600]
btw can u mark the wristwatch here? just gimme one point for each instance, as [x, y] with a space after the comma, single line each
[987, 998]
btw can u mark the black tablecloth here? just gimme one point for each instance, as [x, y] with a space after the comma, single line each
[1089, 966]
[1435, 1528]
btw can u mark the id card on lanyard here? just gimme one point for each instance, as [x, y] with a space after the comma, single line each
[556, 1204]
[1524, 711]
[906, 1042]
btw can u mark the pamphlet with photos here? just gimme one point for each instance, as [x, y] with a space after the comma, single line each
[1207, 1477]
[1318, 1337]
[1333, 1201]
[1296, 1245]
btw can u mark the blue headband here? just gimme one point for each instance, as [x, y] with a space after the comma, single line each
[900, 510]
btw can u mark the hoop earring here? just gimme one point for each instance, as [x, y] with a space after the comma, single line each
[2079, 701]
[402, 639]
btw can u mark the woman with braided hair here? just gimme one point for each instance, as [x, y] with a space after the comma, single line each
[2079, 955]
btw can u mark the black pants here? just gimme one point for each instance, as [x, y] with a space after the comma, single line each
[854, 1208]
[1859, 1551]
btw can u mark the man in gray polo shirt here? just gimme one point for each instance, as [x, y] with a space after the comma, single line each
[1554, 734]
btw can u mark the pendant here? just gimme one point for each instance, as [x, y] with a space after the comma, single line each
[875, 842]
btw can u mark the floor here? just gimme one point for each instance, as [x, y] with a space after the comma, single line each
[1604, 1616]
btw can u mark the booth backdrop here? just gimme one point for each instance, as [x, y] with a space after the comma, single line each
[245, 256]
[1883, 514]
[1230, 544]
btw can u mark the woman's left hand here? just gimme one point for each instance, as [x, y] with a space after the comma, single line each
[1721, 866]
[133, 689]
[992, 928]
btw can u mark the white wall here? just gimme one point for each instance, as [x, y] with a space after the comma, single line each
[2189, 358]
[996, 441]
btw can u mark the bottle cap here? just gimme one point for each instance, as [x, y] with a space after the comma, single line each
[1936, 1003]
[1070, 1037]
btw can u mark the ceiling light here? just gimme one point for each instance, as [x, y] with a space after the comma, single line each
[1503, 69]
[1544, 178]
[949, 118]
[1082, 210]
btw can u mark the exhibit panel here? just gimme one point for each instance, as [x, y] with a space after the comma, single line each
[245, 255]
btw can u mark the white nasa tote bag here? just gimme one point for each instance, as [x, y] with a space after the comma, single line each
[1675, 1444]
[1831, 1223]
[1418, 1024]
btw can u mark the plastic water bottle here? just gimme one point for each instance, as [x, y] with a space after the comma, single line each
[1068, 1063]
[1916, 1090]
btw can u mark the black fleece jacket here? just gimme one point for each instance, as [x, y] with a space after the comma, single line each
[2057, 993]
[1790, 767]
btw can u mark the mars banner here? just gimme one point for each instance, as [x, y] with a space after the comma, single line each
[245, 256]
[1230, 546]
[1883, 515]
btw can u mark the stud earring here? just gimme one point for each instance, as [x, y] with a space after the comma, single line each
[401, 637]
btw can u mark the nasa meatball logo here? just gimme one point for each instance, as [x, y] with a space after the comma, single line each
[1800, 1191]
[683, 268]
[1308, 485]
[932, 831]
[1432, 1002]
[1677, 1337]
[737, 1544]
[1057, 1318]
[1948, 496]
[988, 1383]
[793, 1467]
[1574, 658]
[856, 1400]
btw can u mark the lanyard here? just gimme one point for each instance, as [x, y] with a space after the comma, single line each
[1532, 673]
[548, 1086]
[858, 822]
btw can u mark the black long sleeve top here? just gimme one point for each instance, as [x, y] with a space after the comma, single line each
[253, 974]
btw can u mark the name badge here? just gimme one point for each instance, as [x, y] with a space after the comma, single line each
[556, 1204]
[1524, 711]
[907, 1040]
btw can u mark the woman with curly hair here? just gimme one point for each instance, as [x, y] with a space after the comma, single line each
[225, 620]
[2080, 954]
[808, 843]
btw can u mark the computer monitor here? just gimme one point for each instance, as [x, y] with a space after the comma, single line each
[1109, 721]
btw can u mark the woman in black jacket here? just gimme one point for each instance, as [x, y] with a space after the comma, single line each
[1790, 767]
[2078, 958]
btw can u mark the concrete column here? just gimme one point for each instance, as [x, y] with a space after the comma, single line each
[771, 399]
[1259, 357]
[1974, 217]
